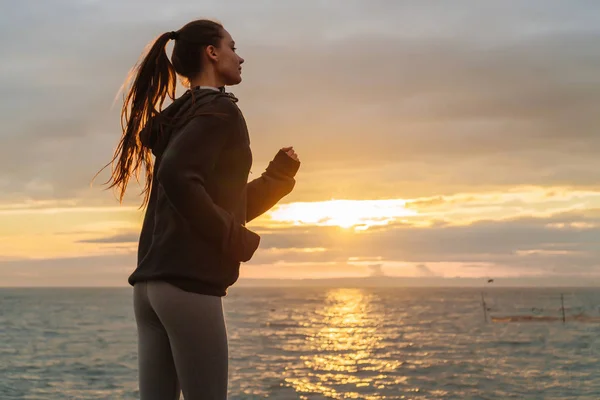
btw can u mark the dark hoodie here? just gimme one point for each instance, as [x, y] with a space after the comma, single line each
[194, 233]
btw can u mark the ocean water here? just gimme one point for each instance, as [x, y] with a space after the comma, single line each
[318, 343]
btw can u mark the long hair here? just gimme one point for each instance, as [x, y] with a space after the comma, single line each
[150, 82]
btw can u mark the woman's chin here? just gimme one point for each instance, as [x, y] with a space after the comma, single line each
[234, 80]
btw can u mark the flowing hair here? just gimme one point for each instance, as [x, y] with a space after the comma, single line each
[150, 82]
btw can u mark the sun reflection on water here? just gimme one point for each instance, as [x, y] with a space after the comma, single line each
[343, 350]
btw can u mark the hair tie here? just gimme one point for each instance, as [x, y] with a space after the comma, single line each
[173, 35]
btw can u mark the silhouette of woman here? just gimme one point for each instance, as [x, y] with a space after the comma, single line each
[198, 201]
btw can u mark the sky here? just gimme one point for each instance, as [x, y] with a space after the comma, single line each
[437, 139]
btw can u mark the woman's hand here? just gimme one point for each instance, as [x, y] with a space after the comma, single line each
[290, 152]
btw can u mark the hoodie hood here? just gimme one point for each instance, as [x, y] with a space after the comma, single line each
[158, 131]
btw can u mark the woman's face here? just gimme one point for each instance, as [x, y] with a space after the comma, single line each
[228, 64]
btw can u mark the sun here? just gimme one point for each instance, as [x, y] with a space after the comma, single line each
[357, 214]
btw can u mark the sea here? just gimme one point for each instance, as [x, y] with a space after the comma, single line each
[321, 343]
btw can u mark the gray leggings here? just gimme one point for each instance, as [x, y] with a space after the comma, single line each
[182, 343]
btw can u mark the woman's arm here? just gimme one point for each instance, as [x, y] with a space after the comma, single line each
[187, 161]
[276, 182]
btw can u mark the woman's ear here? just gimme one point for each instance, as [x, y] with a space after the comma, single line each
[211, 53]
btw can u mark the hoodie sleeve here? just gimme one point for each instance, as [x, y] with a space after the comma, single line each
[276, 182]
[184, 166]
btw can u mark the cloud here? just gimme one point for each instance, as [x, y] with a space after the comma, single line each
[564, 244]
[121, 238]
[102, 270]
[513, 104]
[554, 244]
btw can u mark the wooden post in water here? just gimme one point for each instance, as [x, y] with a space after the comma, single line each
[484, 308]
[562, 307]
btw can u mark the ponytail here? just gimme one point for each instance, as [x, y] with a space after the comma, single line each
[155, 78]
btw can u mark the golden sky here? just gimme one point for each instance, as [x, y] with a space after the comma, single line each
[437, 140]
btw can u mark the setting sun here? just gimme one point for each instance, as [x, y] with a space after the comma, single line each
[359, 214]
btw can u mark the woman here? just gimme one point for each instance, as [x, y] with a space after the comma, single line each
[198, 200]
